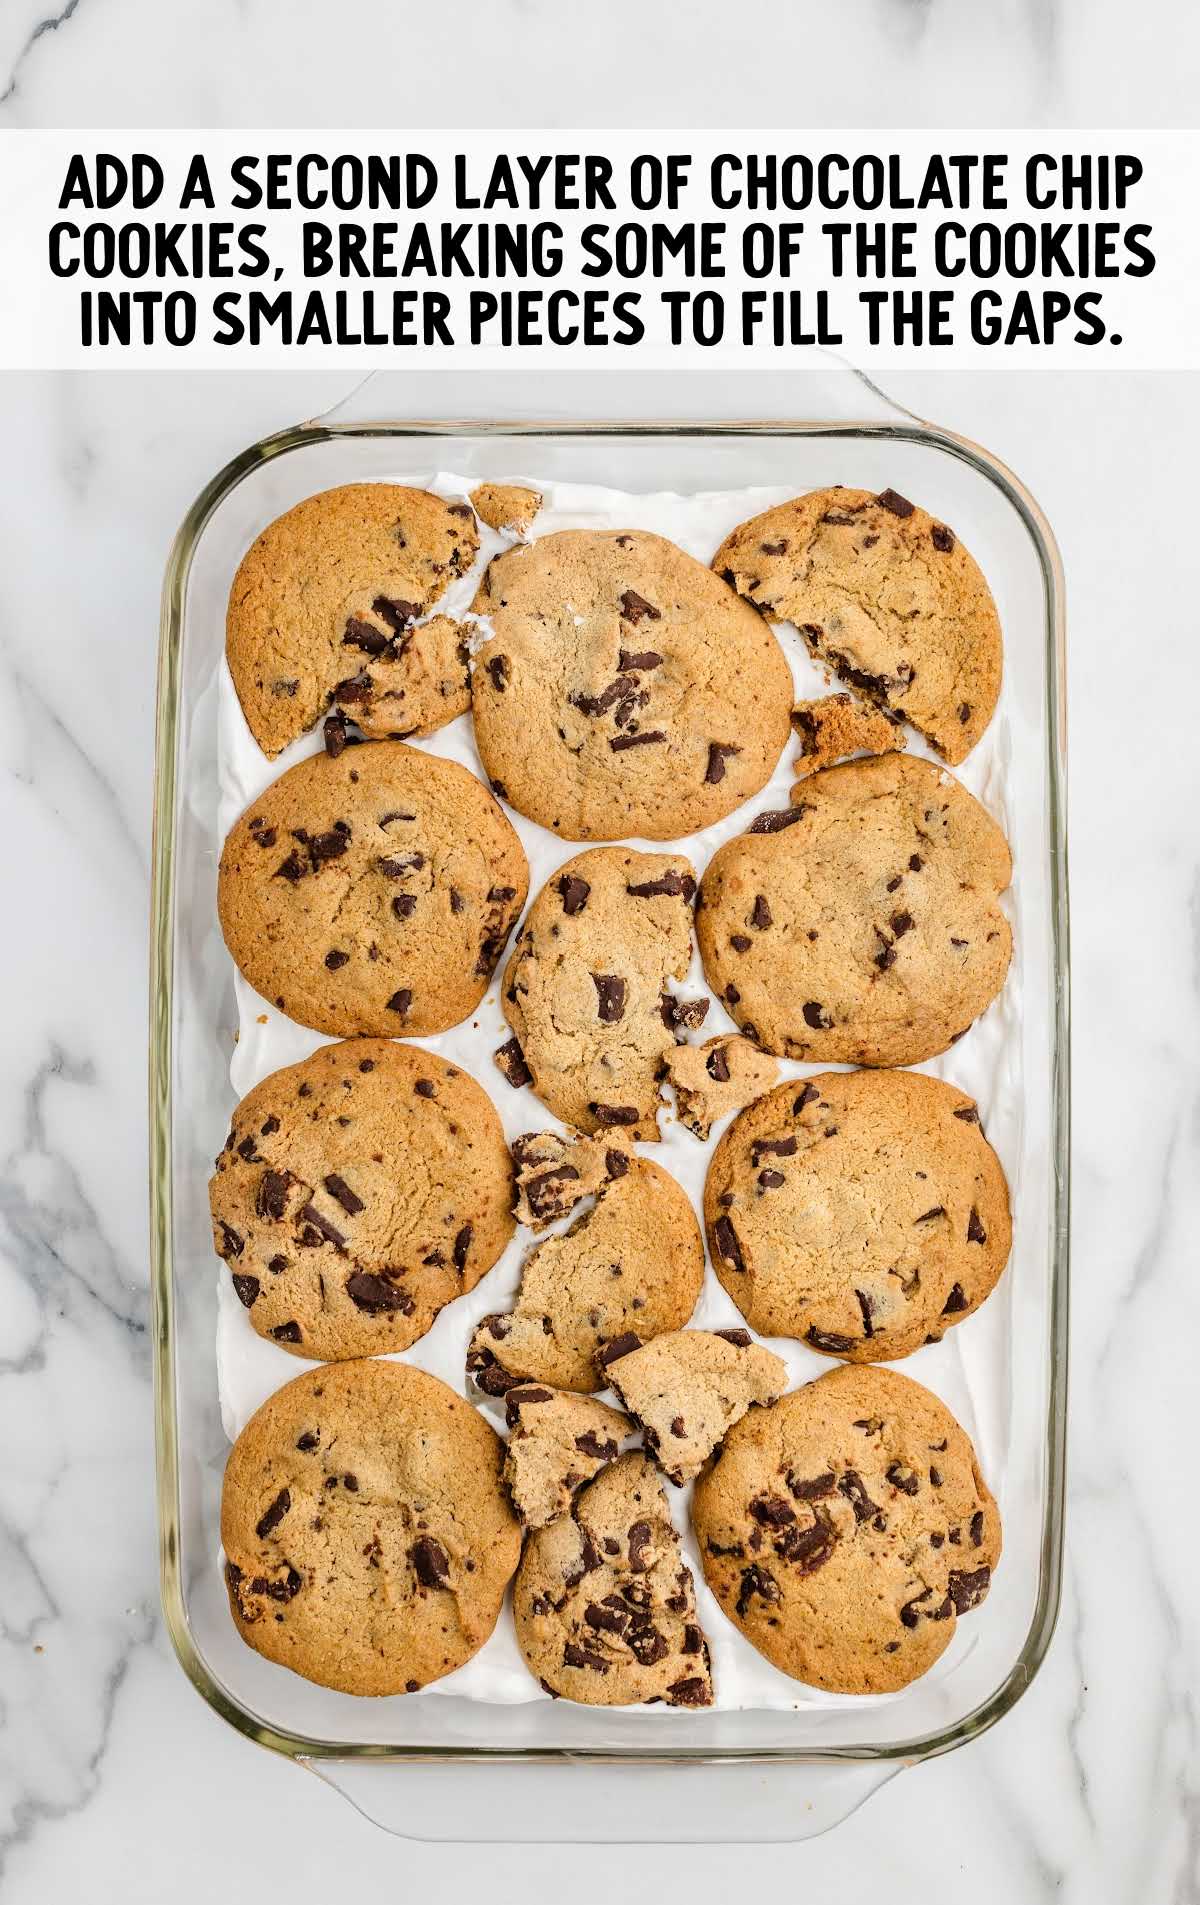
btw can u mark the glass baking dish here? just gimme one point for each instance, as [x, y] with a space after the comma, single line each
[456, 1769]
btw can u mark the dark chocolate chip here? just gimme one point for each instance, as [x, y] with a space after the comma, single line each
[620, 743]
[898, 505]
[377, 1295]
[976, 1234]
[274, 1514]
[286, 1332]
[400, 1001]
[777, 821]
[511, 1060]
[757, 1583]
[431, 1564]
[816, 1016]
[672, 885]
[247, 1289]
[574, 894]
[941, 538]
[610, 997]
[635, 608]
[760, 916]
[271, 1200]
[335, 735]
[614, 1114]
[717, 1065]
[728, 1245]
[336, 959]
[462, 1245]
[338, 1187]
[616, 1347]
[718, 753]
[498, 669]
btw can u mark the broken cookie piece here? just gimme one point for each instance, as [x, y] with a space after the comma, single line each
[605, 1609]
[556, 1442]
[411, 679]
[554, 1173]
[835, 726]
[634, 1261]
[508, 507]
[687, 1389]
[718, 1077]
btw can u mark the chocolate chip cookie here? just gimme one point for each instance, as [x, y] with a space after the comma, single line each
[555, 1173]
[604, 1606]
[587, 989]
[887, 597]
[634, 1261]
[323, 609]
[860, 924]
[358, 1193]
[846, 1528]
[862, 1212]
[625, 688]
[716, 1078]
[687, 1388]
[367, 1534]
[556, 1442]
[373, 892]
[509, 507]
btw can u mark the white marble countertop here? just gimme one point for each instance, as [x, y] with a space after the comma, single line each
[115, 1781]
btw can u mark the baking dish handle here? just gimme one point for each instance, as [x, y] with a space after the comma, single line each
[575, 1803]
[825, 390]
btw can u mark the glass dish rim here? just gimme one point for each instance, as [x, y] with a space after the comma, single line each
[1037, 1640]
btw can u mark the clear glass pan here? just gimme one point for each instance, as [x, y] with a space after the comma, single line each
[551, 1770]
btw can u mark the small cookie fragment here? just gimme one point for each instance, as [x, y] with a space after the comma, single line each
[835, 726]
[323, 608]
[634, 1261]
[862, 924]
[720, 1076]
[862, 1213]
[625, 691]
[555, 1173]
[887, 597]
[506, 506]
[372, 889]
[605, 1608]
[686, 1390]
[368, 1537]
[556, 1442]
[846, 1528]
[357, 1194]
[587, 990]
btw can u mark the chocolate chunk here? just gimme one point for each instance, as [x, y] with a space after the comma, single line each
[903, 1479]
[640, 663]
[717, 1065]
[588, 1657]
[770, 1180]
[621, 742]
[671, 884]
[806, 1097]
[404, 905]
[901, 923]
[616, 1163]
[941, 538]
[826, 1340]
[335, 735]
[778, 548]
[336, 959]
[760, 917]
[731, 995]
[647, 1645]
[271, 1201]
[274, 1514]
[689, 1692]
[898, 505]
[425, 1088]
[955, 1302]
[976, 1234]
[741, 1339]
[915, 863]
[927, 1216]
[293, 868]
[885, 957]
[462, 1245]
[338, 1187]
[772, 1148]
[607, 1620]
[771, 1511]
[756, 1583]
[511, 1060]
[678, 1014]
[776, 822]
[377, 1295]
[310, 1440]
[635, 608]
[718, 753]
[400, 1001]
[397, 615]
[614, 1114]
[616, 1347]
[247, 1289]
[431, 1564]
[313, 1219]
[396, 867]
[498, 669]
[976, 1529]
[812, 1488]
[964, 712]
[286, 1332]
[601, 1449]
[816, 1016]
[739, 942]
[808, 1548]
[641, 1539]
[967, 1590]
[912, 1610]
[364, 635]
[968, 1113]
[726, 1239]
[866, 1307]
[852, 1486]
[610, 997]
[574, 894]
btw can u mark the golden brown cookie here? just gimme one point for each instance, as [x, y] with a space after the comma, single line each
[634, 1261]
[846, 1528]
[625, 689]
[718, 1077]
[322, 612]
[862, 1212]
[587, 988]
[884, 594]
[358, 1193]
[373, 892]
[506, 506]
[605, 1608]
[367, 1534]
[835, 726]
[556, 1442]
[860, 924]
[553, 1173]
[687, 1388]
